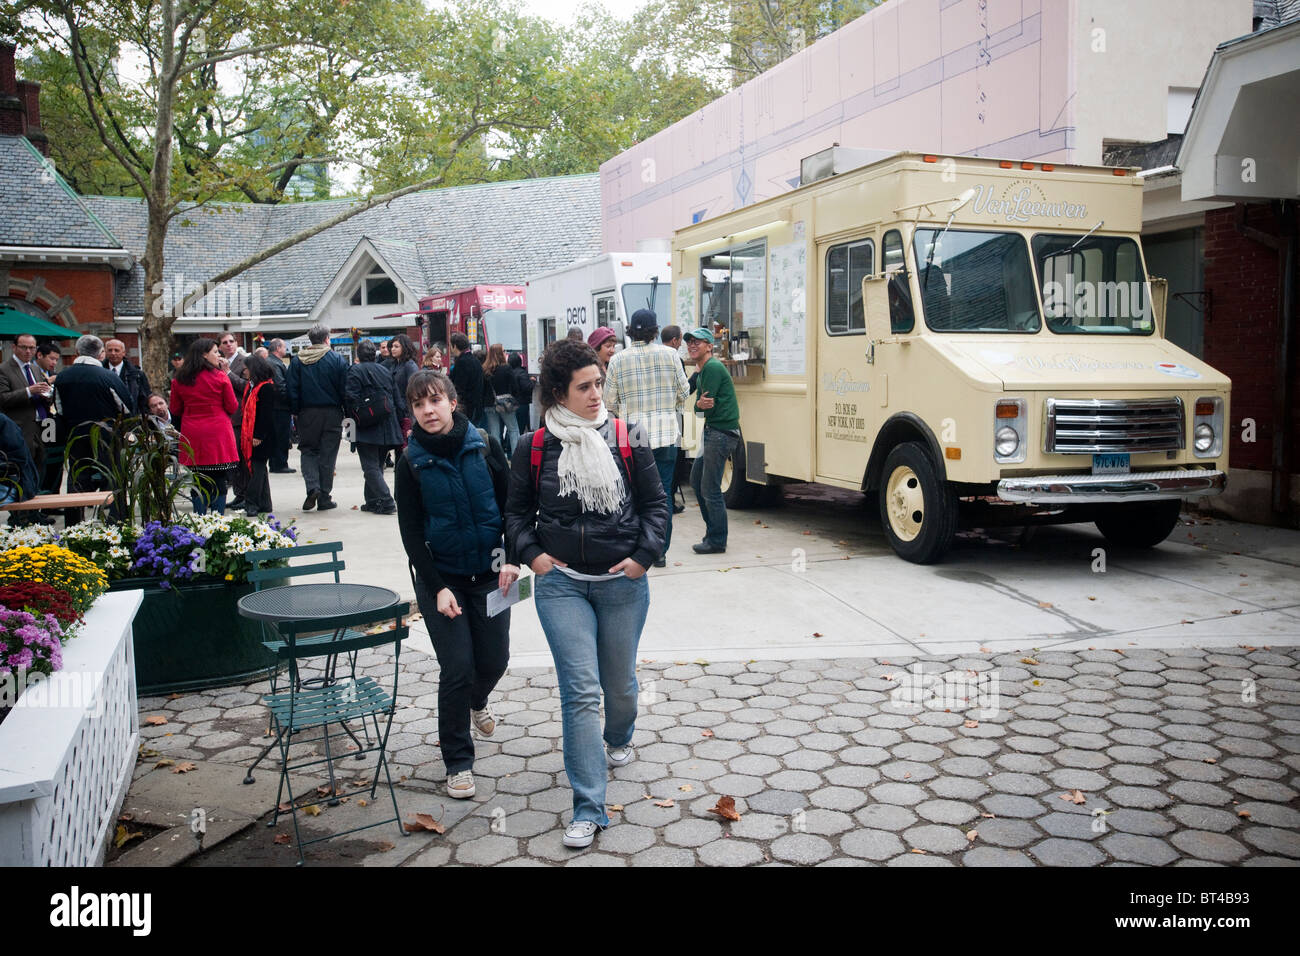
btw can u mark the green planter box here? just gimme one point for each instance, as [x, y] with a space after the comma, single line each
[192, 637]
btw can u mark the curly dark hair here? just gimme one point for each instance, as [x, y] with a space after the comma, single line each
[560, 360]
[425, 383]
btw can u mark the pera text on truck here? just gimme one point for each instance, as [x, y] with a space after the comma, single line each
[959, 338]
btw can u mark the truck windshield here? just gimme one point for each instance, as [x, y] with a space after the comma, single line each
[636, 295]
[1096, 287]
[505, 327]
[975, 281]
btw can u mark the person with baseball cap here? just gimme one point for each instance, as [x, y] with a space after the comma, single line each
[718, 407]
[646, 385]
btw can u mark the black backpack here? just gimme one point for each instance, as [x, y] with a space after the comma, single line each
[374, 408]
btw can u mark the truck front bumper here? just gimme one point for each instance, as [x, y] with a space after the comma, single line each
[1135, 486]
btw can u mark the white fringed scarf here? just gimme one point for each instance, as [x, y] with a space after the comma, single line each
[586, 466]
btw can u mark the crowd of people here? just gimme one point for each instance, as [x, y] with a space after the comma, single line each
[585, 500]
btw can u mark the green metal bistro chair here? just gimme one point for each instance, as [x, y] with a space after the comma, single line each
[357, 698]
[271, 577]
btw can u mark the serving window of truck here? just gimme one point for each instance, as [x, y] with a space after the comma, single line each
[963, 339]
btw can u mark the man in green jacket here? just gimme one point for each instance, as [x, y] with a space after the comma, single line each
[717, 405]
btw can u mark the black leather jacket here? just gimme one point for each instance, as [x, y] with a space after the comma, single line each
[589, 542]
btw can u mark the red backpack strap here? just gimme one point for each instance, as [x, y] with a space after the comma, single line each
[535, 456]
[624, 446]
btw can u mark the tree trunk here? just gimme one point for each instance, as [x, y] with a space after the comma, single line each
[159, 310]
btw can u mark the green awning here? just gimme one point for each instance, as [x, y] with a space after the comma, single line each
[13, 322]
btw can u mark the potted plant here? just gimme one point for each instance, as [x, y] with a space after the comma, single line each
[188, 633]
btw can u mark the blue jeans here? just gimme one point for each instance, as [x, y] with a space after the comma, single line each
[666, 462]
[593, 628]
[509, 424]
[706, 481]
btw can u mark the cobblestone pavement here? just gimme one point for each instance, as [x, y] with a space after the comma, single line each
[1185, 757]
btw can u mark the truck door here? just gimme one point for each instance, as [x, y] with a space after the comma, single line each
[604, 307]
[436, 330]
[844, 387]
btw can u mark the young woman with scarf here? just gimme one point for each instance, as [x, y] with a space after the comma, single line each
[451, 488]
[257, 434]
[587, 511]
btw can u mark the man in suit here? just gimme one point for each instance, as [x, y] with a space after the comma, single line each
[86, 393]
[25, 398]
[131, 375]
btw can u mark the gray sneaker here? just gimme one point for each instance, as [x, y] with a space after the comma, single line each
[580, 833]
[461, 785]
[620, 756]
[484, 720]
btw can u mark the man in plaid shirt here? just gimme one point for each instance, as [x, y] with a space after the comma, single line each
[646, 384]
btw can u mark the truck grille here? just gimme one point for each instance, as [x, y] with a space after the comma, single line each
[1090, 426]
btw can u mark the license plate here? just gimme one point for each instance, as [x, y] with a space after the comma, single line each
[1110, 464]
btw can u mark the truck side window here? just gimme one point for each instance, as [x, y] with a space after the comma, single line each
[902, 317]
[846, 266]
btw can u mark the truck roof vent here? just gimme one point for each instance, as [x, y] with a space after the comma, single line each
[838, 159]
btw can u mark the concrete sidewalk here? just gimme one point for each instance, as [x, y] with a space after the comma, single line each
[1164, 688]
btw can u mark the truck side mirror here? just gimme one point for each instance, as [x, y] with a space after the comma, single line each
[875, 307]
[1159, 300]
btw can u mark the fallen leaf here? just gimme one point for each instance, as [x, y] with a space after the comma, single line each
[617, 808]
[363, 802]
[1235, 611]
[178, 696]
[148, 752]
[1044, 603]
[283, 839]
[1092, 597]
[184, 767]
[664, 803]
[706, 733]
[385, 846]
[123, 836]
[1075, 797]
[126, 817]
[424, 822]
[971, 724]
[986, 650]
[325, 790]
[817, 633]
[987, 816]
[726, 808]
[165, 763]
[1208, 760]
[1028, 660]
[907, 776]
[1036, 683]
[157, 720]
[807, 532]
[312, 810]
[686, 788]
[971, 835]
[1243, 813]
[285, 807]
[917, 850]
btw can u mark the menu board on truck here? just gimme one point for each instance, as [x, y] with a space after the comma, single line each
[787, 351]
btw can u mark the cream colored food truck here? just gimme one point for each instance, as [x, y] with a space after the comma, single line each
[957, 337]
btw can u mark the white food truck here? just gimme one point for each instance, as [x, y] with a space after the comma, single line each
[602, 291]
[956, 336]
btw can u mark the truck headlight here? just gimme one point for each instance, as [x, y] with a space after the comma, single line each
[1010, 426]
[1207, 427]
[1204, 437]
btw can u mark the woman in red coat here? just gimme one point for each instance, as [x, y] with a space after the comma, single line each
[203, 396]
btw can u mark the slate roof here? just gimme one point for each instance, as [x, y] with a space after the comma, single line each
[1144, 155]
[37, 208]
[437, 240]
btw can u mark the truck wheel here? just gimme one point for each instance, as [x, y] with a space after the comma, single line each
[918, 511]
[736, 491]
[1139, 524]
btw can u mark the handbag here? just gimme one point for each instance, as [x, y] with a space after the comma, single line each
[506, 404]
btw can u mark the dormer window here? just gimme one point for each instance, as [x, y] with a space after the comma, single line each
[375, 289]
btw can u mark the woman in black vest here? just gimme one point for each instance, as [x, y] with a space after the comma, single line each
[371, 389]
[451, 490]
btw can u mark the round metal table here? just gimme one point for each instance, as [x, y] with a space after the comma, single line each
[315, 602]
[323, 603]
